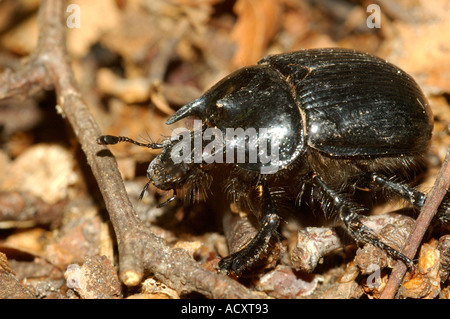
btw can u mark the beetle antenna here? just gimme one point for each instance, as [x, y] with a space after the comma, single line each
[110, 139]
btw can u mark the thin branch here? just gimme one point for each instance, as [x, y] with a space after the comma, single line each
[434, 199]
[139, 249]
[25, 210]
[23, 81]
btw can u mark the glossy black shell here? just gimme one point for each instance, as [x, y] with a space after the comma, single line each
[338, 101]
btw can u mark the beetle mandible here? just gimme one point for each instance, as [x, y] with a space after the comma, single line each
[338, 119]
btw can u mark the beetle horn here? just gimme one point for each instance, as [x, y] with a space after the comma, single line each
[196, 107]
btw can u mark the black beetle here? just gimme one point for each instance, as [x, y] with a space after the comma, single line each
[336, 119]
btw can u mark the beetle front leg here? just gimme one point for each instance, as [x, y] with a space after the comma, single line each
[246, 257]
[348, 212]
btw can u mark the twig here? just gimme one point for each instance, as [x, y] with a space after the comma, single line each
[139, 249]
[434, 198]
[23, 209]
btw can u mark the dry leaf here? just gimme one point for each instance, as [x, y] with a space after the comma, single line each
[23, 38]
[95, 279]
[96, 18]
[258, 22]
[45, 171]
[422, 47]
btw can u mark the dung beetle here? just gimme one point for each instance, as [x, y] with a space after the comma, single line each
[335, 120]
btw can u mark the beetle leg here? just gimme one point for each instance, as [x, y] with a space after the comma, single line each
[443, 213]
[348, 212]
[376, 181]
[246, 257]
[417, 198]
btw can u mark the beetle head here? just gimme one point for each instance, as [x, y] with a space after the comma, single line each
[169, 172]
[164, 173]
